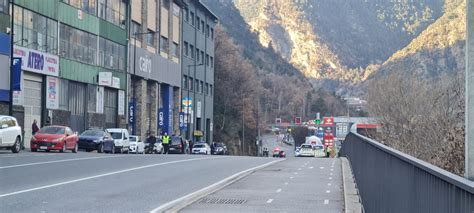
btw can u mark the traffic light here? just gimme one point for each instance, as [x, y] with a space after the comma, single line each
[317, 121]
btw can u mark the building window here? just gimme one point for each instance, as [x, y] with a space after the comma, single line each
[202, 57]
[185, 82]
[112, 11]
[88, 6]
[78, 45]
[207, 60]
[202, 26]
[190, 86]
[35, 31]
[164, 46]
[201, 87]
[4, 6]
[150, 38]
[186, 49]
[165, 3]
[191, 47]
[91, 98]
[212, 33]
[212, 61]
[198, 20]
[211, 91]
[63, 94]
[186, 14]
[207, 89]
[208, 30]
[175, 50]
[111, 54]
[192, 18]
[176, 10]
[197, 85]
[197, 54]
[136, 29]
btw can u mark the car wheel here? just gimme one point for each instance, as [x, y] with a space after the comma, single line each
[121, 150]
[16, 147]
[127, 151]
[64, 148]
[88, 150]
[100, 149]
[113, 149]
[76, 147]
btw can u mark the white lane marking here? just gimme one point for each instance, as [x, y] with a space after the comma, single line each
[221, 183]
[295, 173]
[291, 177]
[330, 173]
[60, 161]
[330, 178]
[326, 202]
[98, 176]
[286, 183]
[311, 167]
[278, 190]
[327, 191]
[299, 168]
[269, 200]
[321, 167]
[332, 170]
[329, 184]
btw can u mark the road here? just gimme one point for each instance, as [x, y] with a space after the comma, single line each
[91, 182]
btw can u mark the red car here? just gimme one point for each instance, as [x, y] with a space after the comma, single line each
[59, 138]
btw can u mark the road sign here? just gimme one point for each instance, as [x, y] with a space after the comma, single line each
[298, 120]
[161, 117]
[182, 124]
[131, 115]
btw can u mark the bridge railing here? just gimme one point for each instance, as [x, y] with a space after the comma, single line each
[391, 181]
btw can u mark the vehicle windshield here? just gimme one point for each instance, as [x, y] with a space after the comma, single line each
[92, 133]
[52, 130]
[306, 146]
[175, 139]
[199, 146]
[116, 135]
[133, 138]
[219, 145]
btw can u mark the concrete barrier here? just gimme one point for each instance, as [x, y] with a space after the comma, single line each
[352, 201]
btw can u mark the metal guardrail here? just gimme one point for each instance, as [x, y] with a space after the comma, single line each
[391, 181]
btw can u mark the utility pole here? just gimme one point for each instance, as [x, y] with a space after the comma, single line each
[10, 104]
[243, 127]
[469, 143]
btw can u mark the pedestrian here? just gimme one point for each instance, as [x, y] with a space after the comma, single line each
[151, 140]
[166, 142]
[34, 127]
[191, 146]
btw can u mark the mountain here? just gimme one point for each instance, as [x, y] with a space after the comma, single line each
[332, 39]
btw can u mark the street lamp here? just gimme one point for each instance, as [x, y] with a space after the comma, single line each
[134, 74]
[188, 113]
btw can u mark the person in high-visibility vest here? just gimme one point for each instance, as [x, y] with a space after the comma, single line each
[166, 142]
[328, 151]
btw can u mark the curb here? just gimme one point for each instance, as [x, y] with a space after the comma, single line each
[182, 202]
[352, 201]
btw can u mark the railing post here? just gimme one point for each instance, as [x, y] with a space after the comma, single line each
[469, 140]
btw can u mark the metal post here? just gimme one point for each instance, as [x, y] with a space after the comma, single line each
[133, 83]
[469, 143]
[188, 128]
[243, 129]
[10, 105]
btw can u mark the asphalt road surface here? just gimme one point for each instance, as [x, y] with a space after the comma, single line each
[92, 182]
[293, 185]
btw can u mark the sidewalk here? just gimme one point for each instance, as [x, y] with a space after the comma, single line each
[294, 185]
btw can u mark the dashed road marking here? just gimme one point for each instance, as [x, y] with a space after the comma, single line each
[278, 190]
[311, 167]
[330, 173]
[270, 200]
[329, 184]
[332, 170]
[321, 167]
[295, 173]
[330, 178]
[299, 168]
[286, 183]
[326, 202]
[327, 191]
[291, 177]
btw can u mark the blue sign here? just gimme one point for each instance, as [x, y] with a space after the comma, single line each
[161, 117]
[16, 74]
[131, 115]
[182, 124]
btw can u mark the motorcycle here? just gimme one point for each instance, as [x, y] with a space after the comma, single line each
[157, 148]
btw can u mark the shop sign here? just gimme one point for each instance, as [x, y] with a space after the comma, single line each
[105, 79]
[198, 110]
[121, 102]
[52, 95]
[37, 61]
[116, 82]
[100, 100]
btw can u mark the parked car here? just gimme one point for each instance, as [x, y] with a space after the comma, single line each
[10, 134]
[201, 148]
[94, 139]
[59, 138]
[306, 150]
[121, 140]
[176, 145]
[136, 145]
[218, 149]
[297, 151]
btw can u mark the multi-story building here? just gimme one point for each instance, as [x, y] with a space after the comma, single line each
[198, 70]
[4, 56]
[155, 67]
[73, 62]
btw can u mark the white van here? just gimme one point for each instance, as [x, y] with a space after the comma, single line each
[10, 133]
[121, 139]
